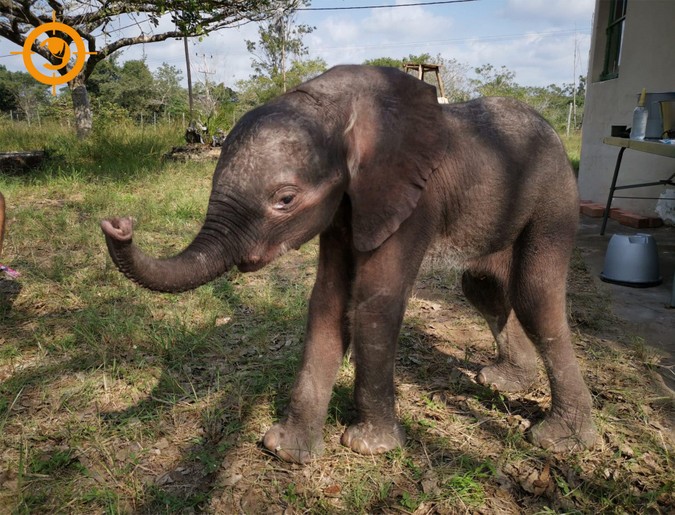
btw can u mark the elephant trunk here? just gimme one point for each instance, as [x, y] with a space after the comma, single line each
[205, 259]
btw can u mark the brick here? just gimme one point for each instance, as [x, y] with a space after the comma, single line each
[593, 209]
[638, 221]
[654, 222]
[615, 213]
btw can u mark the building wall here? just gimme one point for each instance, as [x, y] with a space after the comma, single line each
[647, 61]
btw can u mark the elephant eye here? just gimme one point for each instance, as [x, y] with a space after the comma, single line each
[284, 201]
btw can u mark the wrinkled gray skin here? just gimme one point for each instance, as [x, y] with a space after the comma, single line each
[366, 158]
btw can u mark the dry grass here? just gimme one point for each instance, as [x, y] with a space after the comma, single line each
[117, 400]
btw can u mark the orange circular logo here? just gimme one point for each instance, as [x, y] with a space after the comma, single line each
[59, 49]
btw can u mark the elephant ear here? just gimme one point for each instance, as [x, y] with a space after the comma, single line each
[395, 137]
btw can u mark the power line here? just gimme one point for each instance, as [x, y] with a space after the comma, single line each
[355, 7]
[496, 37]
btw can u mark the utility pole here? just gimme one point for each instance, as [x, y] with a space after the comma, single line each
[574, 82]
[283, 52]
[205, 70]
[189, 74]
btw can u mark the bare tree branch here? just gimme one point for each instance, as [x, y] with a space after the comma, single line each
[189, 18]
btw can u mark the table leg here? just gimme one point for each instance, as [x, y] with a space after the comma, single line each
[611, 190]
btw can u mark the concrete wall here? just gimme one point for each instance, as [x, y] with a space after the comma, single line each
[647, 61]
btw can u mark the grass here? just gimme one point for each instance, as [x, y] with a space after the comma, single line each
[573, 146]
[117, 400]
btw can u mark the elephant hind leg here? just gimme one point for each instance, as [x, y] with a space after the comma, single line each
[538, 296]
[485, 286]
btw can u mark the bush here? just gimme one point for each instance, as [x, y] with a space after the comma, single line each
[116, 149]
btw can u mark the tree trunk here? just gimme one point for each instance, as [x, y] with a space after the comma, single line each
[83, 114]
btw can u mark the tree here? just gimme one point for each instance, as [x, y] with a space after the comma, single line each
[169, 96]
[280, 42]
[260, 88]
[20, 93]
[384, 61]
[455, 76]
[490, 82]
[398, 63]
[96, 23]
[130, 86]
[453, 73]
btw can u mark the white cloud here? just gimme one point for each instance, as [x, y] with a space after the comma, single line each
[534, 38]
[340, 31]
[409, 24]
[554, 12]
[539, 46]
[537, 60]
[392, 32]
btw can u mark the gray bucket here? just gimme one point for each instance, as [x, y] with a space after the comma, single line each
[632, 260]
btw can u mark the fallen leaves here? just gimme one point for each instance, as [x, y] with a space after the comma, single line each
[530, 478]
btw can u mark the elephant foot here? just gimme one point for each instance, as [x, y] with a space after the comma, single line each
[559, 434]
[365, 438]
[293, 444]
[507, 377]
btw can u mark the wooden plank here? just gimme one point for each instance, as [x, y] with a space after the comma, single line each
[17, 161]
[648, 146]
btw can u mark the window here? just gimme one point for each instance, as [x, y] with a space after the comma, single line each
[617, 18]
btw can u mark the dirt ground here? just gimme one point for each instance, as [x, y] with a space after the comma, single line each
[90, 440]
[645, 313]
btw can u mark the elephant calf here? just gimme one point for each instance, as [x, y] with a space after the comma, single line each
[366, 158]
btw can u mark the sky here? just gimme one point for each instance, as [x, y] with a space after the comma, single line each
[543, 41]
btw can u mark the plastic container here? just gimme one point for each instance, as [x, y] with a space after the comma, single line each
[632, 260]
[639, 129]
[655, 122]
[667, 110]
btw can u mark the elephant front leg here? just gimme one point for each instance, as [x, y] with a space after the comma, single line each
[382, 285]
[299, 436]
[376, 322]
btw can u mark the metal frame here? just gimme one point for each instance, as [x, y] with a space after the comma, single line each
[650, 147]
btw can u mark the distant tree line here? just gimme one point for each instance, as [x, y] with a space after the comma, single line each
[95, 23]
[112, 90]
[130, 90]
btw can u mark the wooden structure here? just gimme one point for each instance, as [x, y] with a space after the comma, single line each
[21, 161]
[422, 69]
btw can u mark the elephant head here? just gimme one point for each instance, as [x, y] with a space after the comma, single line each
[364, 135]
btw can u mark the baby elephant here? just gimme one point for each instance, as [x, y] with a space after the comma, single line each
[366, 158]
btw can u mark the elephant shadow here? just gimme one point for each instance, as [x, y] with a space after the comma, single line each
[228, 386]
[9, 291]
[248, 384]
